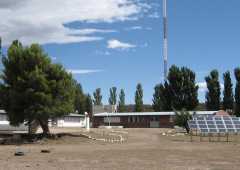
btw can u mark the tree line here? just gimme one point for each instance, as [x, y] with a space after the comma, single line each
[33, 88]
[180, 92]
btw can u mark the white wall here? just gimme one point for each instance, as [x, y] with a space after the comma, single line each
[61, 122]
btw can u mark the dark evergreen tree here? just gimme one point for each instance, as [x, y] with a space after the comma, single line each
[139, 98]
[182, 88]
[237, 91]
[121, 102]
[213, 98]
[34, 89]
[97, 97]
[228, 99]
[113, 96]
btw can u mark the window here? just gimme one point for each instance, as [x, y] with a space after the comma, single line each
[72, 119]
[171, 119]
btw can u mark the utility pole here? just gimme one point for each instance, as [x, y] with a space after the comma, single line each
[165, 48]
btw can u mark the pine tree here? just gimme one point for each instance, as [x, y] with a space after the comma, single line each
[121, 102]
[213, 98]
[97, 97]
[228, 99]
[237, 92]
[113, 96]
[34, 89]
[139, 98]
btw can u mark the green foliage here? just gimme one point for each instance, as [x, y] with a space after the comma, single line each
[182, 118]
[88, 104]
[237, 91]
[121, 102]
[113, 96]
[228, 99]
[214, 91]
[161, 98]
[33, 88]
[79, 99]
[178, 92]
[139, 98]
[97, 97]
[157, 98]
[183, 88]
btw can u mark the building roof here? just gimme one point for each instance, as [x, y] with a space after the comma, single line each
[150, 113]
[75, 115]
[2, 111]
[222, 113]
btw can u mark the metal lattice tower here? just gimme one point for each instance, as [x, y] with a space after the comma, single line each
[165, 48]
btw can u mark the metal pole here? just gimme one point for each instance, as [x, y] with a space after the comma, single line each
[165, 50]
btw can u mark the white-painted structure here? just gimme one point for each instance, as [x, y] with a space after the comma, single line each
[71, 120]
[105, 114]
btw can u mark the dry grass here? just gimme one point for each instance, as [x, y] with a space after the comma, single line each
[144, 149]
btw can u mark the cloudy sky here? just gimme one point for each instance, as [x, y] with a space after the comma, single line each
[106, 43]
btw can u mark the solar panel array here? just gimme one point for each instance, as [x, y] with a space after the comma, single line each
[215, 124]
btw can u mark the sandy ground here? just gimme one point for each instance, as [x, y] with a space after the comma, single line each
[145, 149]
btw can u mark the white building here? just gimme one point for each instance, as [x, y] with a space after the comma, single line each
[71, 120]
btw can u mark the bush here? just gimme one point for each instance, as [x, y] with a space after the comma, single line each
[182, 118]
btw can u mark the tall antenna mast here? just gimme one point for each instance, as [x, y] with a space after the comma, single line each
[165, 50]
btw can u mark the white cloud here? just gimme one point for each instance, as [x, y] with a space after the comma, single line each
[116, 44]
[154, 15]
[44, 21]
[83, 71]
[203, 86]
[134, 28]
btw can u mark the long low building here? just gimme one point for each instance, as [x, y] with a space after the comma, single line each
[140, 119]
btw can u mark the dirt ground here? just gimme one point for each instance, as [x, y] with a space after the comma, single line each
[145, 149]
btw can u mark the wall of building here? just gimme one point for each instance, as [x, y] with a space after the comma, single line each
[135, 121]
[71, 122]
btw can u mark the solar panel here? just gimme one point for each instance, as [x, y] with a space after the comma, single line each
[210, 122]
[215, 124]
[202, 126]
[213, 130]
[203, 130]
[201, 122]
[211, 126]
[219, 122]
[209, 118]
[192, 124]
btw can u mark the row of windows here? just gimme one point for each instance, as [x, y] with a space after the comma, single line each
[137, 119]
[3, 117]
[72, 119]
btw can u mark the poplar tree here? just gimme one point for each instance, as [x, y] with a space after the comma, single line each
[97, 97]
[88, 104]
[213, 98]
[121, 102]
[139, 98]
[228, 99]
[157, 103]
[113, 96]
[237, 91]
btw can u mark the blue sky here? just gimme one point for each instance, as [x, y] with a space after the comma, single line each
[119, 42]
